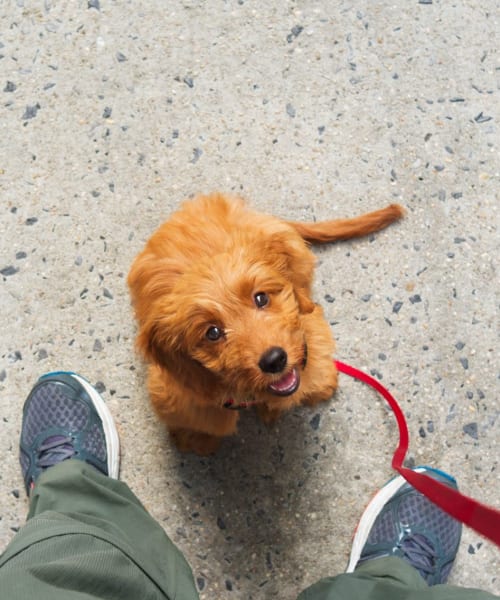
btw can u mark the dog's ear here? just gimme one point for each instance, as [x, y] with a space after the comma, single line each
[291, 257]
[162, 349]
[306, 305]
[152, 345]
[151, 278]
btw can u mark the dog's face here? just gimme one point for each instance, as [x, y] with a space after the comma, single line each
[231, 320]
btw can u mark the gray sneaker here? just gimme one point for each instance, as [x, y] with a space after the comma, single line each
[65, 417]
[400, 521]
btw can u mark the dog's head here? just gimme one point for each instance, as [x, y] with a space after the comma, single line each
[232, 321]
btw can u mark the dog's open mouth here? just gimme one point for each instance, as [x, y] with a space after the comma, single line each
[287, 385]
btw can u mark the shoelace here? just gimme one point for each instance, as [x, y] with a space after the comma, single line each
[419, 553]
[54, 450]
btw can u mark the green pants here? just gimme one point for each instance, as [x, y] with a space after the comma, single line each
[386, 579]
[88, 537]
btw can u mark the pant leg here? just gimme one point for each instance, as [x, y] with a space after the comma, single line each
[388, 578]
[88, 537]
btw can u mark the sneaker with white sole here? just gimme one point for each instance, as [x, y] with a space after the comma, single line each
[400, 521]
[65, 417]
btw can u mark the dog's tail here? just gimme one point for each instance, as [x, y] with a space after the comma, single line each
[343, 229]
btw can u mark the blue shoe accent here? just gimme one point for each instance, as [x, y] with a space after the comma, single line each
[65, 417]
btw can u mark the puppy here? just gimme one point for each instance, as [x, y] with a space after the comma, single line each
[222, 297]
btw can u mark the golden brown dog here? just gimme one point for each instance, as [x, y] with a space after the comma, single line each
[222, 296]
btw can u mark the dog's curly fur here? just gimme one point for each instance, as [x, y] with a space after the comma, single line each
[222, 296]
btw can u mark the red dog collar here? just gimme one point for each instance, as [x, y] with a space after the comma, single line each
[232, 406]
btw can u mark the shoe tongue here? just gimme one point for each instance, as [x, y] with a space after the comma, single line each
[420, 553]
[55, 449]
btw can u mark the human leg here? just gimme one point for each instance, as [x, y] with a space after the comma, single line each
[389, 578]
[87, 535]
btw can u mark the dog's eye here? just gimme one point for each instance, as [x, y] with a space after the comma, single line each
[214, 333]
[261, 299]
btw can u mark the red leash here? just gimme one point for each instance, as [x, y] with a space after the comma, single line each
[480, 517]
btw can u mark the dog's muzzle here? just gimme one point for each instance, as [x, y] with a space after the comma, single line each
[290, 382]
[286, 386]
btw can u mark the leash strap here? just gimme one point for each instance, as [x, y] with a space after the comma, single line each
[480, 517]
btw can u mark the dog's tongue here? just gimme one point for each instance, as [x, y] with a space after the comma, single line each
[286, 383]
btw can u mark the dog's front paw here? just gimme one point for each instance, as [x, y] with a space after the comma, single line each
[200, 443]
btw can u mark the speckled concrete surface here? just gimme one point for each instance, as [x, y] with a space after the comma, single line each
[113, 112]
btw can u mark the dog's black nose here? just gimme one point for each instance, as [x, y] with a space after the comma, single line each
[273, 360]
